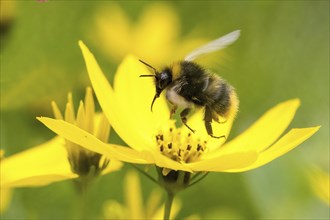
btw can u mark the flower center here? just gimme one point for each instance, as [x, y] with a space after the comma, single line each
[181, 147]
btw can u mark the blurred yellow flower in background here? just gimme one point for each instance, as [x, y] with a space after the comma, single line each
[320, 183]
[153, 37]
[135, 207]
[161, 143]
[5, 193]
[7, 11]
[60, 159]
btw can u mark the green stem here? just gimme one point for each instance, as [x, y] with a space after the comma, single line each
[168, 205]
[180, 180]
[83, 205]
[145, 174]
[202, 177]
[82, 188]
[195, 176]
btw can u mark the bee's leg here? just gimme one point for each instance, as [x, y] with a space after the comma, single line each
[173, 110]
[207, 120]
[183, 116]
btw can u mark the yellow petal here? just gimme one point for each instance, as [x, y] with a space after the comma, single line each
[81, 116]
[265, 130]
[162, 161]
[114, 210]
[89, 110]
[39, 180]
[69, 114]
[5, 198]
[196, 122]
[135, 94]
[320, 182]
[133, 196]
[155, 34]
[56, 111]
[114, 165]
[38, 166]
[153, 203]
[84, 139]
[113, 32]
[111, 106]
[225, 162]
[288, 142]
[102, 131]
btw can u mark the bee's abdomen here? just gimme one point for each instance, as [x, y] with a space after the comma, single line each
[222, 97]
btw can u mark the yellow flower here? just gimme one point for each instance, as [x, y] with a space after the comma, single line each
[320, 183]
[158, 141]
[134, 206]
[59, 159]
[84, 162]
[156, 31]
[5, 193]
[8, 11]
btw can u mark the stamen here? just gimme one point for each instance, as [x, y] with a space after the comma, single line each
[182, 148]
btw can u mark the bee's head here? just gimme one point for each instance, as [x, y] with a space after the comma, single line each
[162, 80]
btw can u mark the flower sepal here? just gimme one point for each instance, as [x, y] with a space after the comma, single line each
[83, 181]
[173, 181]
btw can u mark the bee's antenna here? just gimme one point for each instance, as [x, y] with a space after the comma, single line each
[156, 72]
[148, 65]
[147, 75]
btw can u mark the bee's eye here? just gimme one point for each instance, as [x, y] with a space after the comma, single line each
[164, 79]
[164, 76]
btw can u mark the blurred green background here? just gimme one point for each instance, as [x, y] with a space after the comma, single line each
[283, 53]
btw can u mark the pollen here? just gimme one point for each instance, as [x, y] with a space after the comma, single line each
[181, 147]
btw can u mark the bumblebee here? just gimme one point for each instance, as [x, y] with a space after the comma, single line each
[189, 85]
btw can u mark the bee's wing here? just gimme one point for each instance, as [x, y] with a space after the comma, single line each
[215, 45]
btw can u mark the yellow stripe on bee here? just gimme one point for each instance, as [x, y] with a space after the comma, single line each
[176, 70]
[234, 102]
